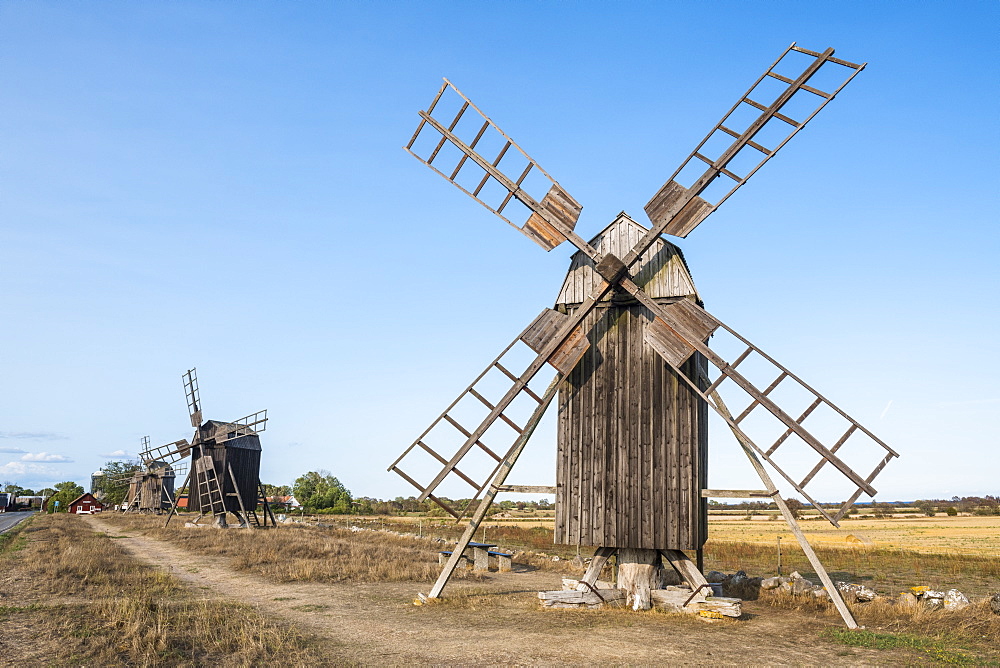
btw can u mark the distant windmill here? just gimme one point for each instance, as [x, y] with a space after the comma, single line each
[628, 339]
[225, 463]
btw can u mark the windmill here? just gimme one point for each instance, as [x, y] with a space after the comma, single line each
[225, 463]
[628, 341]
[150, 484]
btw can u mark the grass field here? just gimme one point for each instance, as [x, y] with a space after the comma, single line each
[122, 590]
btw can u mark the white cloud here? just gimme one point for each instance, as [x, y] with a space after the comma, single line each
[116, 453]
[19, 469]
[44, 457]
[41, 435]
[15, 451]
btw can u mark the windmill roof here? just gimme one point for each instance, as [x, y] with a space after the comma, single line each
[215, 429]
[661, 271]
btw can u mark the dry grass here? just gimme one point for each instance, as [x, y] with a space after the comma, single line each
[108, 609]
[968, 636]
[297, 552]
[886, 570]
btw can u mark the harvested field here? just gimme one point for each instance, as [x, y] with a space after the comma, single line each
[901, 555]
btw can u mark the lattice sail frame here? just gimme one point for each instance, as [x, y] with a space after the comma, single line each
[541, 331]
[693, 209]
[675, 333]
[193, 396]
[556, 205]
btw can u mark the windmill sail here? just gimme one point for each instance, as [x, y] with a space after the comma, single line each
[681, 329]
[676, 209]
[550, 214]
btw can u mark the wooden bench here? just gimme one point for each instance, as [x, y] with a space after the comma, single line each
[503, 560]
[443, 555]
[481, 558]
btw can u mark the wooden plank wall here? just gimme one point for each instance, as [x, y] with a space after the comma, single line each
[662, 271]
[632, 456]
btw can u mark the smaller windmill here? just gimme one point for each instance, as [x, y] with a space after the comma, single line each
[224, 476]
[150, 484]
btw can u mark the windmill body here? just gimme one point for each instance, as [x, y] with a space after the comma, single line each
[224, 447]
[632, 437]
[151, 490]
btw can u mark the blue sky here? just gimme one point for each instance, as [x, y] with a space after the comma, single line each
[221, 185]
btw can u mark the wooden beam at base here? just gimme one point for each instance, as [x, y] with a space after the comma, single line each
[528, 489]
[735, 493]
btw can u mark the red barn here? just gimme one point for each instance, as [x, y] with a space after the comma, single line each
[85, 504]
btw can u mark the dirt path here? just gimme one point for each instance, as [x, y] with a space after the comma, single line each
[377, 623]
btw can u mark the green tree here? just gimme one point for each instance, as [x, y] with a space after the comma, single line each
[47, 492]
[320, 490]
[277, 490]
[113, 485]
[66, 493]
[13, 488]
[794, 506]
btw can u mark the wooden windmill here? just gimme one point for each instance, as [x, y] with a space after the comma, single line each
[628, 340]
[150, 487]
[225, 463]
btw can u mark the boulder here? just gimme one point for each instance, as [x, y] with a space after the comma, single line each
[821, 594]
[801, 586]
[955, 600]
[855, 592]
[906, 598]
[995, 603]
[775, 582]
[716, 576]
[932, 598]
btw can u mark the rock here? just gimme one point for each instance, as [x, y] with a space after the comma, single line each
[932, 598]
[785, 588]
[955, 600]
[556, 559]
[716, 576]
[995, 603]
[795, 575]
[906, 598]
[859, 593]
[821, 594]
[774, 583]
[801, 586]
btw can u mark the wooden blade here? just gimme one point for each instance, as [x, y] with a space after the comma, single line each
[559, 343]
[193, 397]
[551, 218]
[681, 322]
[677, 209]
[251, 424]
[169, 453]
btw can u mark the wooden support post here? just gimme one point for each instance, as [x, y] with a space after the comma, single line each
[267, 506]
[601, 557]
[177, 496]
[638, 575]
[493, 489]
[239, 498]
[831, 589]
[685, 568]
